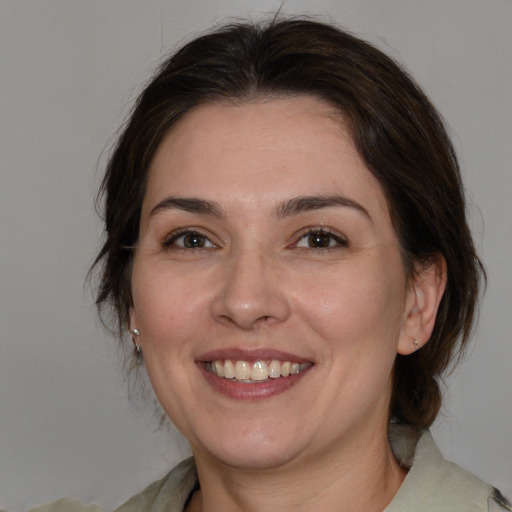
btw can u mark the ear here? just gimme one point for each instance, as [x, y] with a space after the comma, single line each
[424, 295]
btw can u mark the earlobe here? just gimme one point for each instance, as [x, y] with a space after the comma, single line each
[134, 331]
[132, 319]
[422, 303]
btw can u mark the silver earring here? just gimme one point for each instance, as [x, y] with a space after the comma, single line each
[416, 344]
[135, 333]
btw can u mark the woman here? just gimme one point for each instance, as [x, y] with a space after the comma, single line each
[286, 243]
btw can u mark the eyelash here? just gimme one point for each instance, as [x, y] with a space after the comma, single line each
[170, 241]
[339, 241]
[323, 232]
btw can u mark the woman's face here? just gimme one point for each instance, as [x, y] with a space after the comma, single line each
[266, 247]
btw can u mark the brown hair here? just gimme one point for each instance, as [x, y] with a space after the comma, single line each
[396, 130]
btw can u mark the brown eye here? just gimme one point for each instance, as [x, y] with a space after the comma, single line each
[194, 241]
[189, 240]
[320, 239]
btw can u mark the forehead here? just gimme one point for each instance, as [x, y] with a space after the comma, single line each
[263, 150]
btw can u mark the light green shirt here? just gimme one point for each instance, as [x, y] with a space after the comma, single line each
[431, 485]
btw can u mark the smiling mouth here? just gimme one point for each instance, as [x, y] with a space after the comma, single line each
[256, 372]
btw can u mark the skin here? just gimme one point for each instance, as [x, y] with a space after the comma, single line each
[256, 283]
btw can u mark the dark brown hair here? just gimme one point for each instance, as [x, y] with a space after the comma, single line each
[396, 130]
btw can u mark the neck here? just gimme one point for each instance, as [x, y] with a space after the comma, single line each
[360, 474]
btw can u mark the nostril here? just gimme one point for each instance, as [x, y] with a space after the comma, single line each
[246, 322]
[249, 298]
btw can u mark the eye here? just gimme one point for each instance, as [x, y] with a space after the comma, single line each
[189, 240]
[320, 239]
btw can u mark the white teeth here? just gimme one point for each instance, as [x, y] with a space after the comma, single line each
[259, 371]
[242, 370]
[274, 369]
[255, 372]
[229, 369]
[218, 369]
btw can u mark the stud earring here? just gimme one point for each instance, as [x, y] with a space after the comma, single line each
[135, 333]
[416, 344]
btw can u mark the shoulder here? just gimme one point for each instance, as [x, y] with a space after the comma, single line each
[435, 483]
[169, 494]
[66, 505]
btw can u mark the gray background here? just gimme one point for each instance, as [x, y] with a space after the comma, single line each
[69, 71]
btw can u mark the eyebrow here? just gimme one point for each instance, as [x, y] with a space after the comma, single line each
[188, 204]
[301, 204]
[292, 206]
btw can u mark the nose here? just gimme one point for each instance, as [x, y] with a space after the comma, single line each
[251, 293]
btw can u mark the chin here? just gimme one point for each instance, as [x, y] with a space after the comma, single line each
[254, 459]
[257, 449]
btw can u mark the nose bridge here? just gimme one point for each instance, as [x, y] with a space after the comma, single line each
[250, 292]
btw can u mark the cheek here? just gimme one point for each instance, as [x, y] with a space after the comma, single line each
[168, 306]
[354, 302]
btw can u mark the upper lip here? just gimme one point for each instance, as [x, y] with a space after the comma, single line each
[251, 355]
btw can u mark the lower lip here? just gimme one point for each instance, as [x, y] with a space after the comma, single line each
[251, 391]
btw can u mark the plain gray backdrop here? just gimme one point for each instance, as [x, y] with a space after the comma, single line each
[69, 71]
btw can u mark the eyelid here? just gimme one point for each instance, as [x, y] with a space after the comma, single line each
[170, 239]
[340, 239]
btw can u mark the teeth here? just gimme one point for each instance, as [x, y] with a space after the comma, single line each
[274, 369]
[255, 372]
[229, 370]
[242, 370]
[259, 371]
[219, 370]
